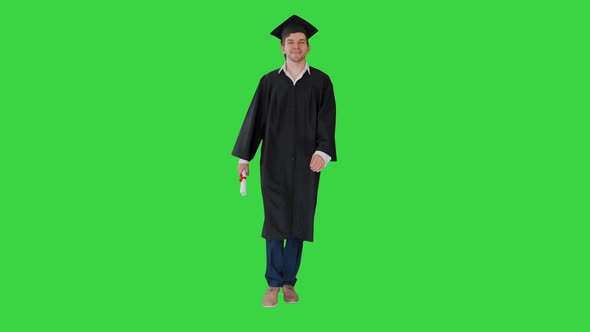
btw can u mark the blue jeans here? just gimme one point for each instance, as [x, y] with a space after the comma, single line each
[282, 261]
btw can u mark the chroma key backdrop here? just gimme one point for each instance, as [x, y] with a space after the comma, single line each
[459, 201]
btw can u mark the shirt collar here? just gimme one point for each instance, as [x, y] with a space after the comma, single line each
[304, 69]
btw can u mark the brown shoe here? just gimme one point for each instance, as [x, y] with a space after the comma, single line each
[271, 297]
[289, 294]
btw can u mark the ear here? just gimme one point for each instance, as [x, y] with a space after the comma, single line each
[283, 49]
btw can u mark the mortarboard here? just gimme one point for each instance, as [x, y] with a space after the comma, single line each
[294, 24]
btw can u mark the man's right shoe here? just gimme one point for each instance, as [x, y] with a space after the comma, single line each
[271, 297]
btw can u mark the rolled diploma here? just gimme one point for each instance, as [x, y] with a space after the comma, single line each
[243, 184]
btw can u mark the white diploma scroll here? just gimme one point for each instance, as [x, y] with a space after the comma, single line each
[243, 183]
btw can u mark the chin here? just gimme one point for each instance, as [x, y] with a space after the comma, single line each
[296, 59]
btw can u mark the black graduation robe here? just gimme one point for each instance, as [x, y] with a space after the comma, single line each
[292, 122]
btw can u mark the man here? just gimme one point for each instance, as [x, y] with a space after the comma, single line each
[293, 113]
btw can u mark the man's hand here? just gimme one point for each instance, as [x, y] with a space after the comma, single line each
[243, 167]
[317, 163]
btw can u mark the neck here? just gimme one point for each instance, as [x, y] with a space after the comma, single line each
[295, 67]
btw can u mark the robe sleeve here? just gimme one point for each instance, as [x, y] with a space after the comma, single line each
[326, 141]
[252, 131]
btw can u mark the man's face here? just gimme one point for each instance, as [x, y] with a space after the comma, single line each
[295, 47]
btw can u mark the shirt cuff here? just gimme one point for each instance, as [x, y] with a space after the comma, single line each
[243, 161]
[324, 155]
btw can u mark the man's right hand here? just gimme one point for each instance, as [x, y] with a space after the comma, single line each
[243, 167]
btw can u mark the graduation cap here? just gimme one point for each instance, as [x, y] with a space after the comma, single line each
[294, 24]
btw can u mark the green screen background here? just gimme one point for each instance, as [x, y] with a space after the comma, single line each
[459, 201]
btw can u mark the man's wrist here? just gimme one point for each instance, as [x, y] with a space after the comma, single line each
[324, 156]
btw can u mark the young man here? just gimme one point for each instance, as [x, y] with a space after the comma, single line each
[293, 113]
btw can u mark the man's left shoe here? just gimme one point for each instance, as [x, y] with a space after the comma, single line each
[289, 294]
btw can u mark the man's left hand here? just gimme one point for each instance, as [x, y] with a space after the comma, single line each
[317, 163]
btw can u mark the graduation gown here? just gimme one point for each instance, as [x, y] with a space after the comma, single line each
[292, 122]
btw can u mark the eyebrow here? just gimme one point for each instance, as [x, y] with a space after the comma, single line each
[290, 39]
